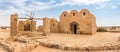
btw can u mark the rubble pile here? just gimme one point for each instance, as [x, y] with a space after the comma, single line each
[20, 44]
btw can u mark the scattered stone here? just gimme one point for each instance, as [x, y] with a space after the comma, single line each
[7, 46]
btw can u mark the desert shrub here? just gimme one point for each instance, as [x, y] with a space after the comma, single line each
[3, 28]
[101, 30]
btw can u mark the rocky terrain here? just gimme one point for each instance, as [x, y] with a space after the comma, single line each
[29, 42]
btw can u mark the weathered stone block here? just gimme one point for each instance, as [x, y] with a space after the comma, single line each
[21, 26]
[40, 29]
[14, 21]
[46, 25]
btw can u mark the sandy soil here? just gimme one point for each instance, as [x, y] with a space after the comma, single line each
[102, 38]
[45, 49]
[72, 39]
[4, 34]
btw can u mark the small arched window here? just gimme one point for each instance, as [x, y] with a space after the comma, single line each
[84, 13]
[64, 15]
[73, 14]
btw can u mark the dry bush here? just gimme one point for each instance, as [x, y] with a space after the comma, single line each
[101, 30]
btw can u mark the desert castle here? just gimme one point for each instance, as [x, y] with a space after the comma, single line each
[74, 22]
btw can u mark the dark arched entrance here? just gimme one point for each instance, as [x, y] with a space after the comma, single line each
[27, 27]
[74, 27]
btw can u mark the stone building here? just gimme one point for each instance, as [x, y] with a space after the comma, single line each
[83, 22]
[27, 25]
[74, 22]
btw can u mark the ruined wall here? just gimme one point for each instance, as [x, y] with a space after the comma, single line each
[14, 21]
[54, 25]
[21, 26]
[27, 25]
[46, 25]
[40, 29]
[83, 21]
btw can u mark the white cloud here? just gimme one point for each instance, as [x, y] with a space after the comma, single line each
[101, 6]
[19, 3]
[85, 2]
[114, 6]
[37, 5]
[109, 5]
[106, 6]
[51, 2]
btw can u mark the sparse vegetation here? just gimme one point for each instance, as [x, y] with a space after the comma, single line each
[101, 30]
[3, 27]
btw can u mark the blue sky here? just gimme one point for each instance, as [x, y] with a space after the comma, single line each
[107, 12]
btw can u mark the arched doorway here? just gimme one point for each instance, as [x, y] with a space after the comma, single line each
[27, 27]
[74, 27]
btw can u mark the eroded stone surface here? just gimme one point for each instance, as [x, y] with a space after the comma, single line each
[24, 43]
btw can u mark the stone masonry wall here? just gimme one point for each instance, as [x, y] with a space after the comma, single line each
[21, 26]
[14, 21]
[54, 26]
[85, 22]
[46, 25]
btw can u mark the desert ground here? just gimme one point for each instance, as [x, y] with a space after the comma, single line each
[45, 49]
[101, 41]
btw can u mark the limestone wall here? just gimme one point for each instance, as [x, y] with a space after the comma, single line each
[54, 26]
[14, 20]
[27, 25]
[40, 29]
[21, 26]
[85, 21]
[64, 18]
[94, 26]
[46, 25]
